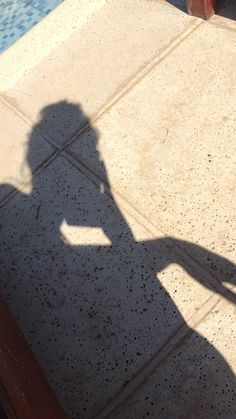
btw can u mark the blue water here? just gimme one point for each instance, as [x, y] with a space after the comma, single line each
[18, 16]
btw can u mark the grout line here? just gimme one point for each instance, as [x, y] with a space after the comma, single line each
[26, 119]
[173, 342]
[21, 186]
[122, 90]
[128, 85]
[142, 220]
[139, 76]
[14, 109]
[222, 25]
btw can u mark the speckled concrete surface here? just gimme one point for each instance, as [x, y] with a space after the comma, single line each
[14, 137]
[118, 250]
[101, 305]
[195, 379]
[181, 159]
[97, 60]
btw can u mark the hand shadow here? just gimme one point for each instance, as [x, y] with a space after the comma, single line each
[95, 314]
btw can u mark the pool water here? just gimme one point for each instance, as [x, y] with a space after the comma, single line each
[18, 16]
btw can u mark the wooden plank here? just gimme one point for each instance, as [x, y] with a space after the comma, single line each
[202, 8]
[6, 408]
[25, 385]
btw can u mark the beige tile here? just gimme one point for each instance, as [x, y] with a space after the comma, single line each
[94, 62]
[15, 158]
[169, 147]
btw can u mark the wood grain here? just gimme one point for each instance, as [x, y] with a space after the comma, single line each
[202, 8]
[23, 381]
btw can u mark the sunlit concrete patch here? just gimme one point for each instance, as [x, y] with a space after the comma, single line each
[94, 313]
[197, 380]
[83, 236]
[169, 147]
[94, 61]
[15, 135]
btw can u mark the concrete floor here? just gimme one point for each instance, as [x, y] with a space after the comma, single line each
[118, 192]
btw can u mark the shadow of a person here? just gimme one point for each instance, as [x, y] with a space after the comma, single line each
[96, 313]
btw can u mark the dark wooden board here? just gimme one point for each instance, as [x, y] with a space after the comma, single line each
[202, 8]
[24, 390]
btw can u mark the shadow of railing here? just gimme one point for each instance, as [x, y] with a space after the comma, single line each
[179, 4]
[227, 9]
